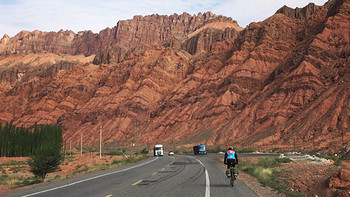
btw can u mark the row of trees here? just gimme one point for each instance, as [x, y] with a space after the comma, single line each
[42, 143]
[24, 142]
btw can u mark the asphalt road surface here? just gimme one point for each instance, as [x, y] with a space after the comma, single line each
[179, 175]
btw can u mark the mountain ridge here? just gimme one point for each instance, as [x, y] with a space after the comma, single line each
[261, 86]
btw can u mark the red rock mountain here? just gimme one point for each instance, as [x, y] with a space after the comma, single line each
[283, 82]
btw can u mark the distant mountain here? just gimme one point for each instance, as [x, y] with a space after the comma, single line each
[148, 30]
[283, 82]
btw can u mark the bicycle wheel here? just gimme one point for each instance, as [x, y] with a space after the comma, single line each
[232, 178]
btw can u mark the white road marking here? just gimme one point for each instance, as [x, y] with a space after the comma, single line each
[207, 181]
[88, 179]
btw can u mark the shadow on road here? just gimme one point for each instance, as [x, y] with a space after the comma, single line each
[220, 185]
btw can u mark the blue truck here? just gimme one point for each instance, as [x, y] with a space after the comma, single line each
[200, 149]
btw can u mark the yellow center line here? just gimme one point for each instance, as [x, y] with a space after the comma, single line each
[154, 173]
[109, 195]
[163, 169]
[137, 182]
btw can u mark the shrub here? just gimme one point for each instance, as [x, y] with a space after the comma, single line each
[45, 162]
[13, 162]
[263, 174]
[3, 179]
[245, 150]
[16, 169]
[246, 166]
[48, 156]
[216, 149]
[114, 153]
[3, 171]
[267, 162]
[128, 160]
[96, 167]
[283, 160]
[265, 171]
[57, 177]
[29, 181]
[144, 151]
[82, 171]
[274, 150]
[117, 161]
[337, 160]
[17, 180]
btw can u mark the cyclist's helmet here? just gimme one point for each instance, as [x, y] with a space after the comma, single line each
[230, 148]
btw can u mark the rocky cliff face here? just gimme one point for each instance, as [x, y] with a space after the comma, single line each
[148, 30]
[304, 97]
[205, 40]
[37, 41]
[180, 32]
[283, 82]
[300, 13]
[156, 29]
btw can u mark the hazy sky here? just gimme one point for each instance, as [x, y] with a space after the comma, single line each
[96, 15]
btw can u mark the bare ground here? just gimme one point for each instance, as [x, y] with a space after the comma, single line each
[75, 163]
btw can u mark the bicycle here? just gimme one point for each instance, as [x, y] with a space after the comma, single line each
[232, 175]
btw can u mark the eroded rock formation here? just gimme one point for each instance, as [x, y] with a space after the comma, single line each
[283, 82]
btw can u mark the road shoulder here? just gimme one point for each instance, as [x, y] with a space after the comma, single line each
[253, 184]
[250, 181]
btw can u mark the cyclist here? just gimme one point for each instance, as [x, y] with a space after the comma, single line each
[230, 159]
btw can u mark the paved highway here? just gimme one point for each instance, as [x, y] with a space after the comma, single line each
[179, 175]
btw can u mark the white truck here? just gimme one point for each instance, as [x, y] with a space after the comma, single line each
[158, 150]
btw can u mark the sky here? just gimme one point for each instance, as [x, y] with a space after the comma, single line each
[96, 15]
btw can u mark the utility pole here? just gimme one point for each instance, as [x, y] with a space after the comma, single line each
[81, 144]
[313, 139]
[342, 137]
[64, 150]
[100, 141]
[294, 144]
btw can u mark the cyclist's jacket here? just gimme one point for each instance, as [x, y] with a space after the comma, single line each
[231, 154]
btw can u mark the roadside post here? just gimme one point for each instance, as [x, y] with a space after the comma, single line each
[100, 141]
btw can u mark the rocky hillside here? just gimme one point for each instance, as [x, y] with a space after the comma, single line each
[282, 82]
[303, 80]
[148, 30]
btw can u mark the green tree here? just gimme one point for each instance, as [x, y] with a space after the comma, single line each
[44, 162]
[47, 156]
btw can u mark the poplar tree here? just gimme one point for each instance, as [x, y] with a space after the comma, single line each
[43, 144]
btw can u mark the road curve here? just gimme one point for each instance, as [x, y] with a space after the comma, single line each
[179, 175]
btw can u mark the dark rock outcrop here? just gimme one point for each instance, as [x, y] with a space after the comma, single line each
[206, 39]
[115, 53]
[300, 13]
